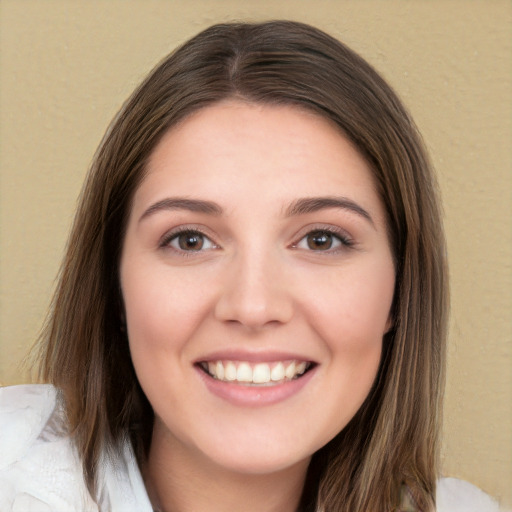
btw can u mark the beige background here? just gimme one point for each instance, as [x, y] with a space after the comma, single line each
[66, 67]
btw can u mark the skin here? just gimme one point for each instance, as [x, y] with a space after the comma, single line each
[259, 285]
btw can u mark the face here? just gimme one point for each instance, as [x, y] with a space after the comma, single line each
[257, 280]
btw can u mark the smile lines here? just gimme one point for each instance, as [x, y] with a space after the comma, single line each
[262, 374]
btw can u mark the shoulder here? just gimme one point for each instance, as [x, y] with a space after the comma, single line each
[454, 495]
[39, 468]
[24, 412]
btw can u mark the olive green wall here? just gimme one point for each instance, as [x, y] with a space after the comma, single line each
[66, 66]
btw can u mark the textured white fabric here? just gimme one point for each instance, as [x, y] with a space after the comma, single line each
[455, 495]
[40, 470]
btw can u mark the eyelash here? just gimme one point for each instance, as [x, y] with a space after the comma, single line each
[345, 241]
[175, 234]
[341, 236]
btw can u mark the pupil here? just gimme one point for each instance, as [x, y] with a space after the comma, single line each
[191, 241]
[320, 240]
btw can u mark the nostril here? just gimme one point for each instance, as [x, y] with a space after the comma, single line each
[253, 310]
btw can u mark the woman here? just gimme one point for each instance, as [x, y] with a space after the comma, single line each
[251, 314]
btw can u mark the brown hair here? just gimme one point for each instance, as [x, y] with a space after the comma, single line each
[392, 443]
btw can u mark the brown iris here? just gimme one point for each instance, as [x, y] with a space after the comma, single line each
[319, 240]
[190, 241]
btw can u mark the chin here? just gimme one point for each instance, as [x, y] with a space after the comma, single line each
[251, 465]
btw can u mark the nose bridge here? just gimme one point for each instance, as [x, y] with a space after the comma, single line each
[254, 292]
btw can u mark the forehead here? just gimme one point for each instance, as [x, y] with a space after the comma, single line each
[263, 153]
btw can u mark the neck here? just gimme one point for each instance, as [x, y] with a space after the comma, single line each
[179, 480]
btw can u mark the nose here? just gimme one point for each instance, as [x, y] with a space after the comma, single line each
[254, 292]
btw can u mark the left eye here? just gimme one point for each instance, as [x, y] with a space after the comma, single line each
[190, 241]
[320, 241]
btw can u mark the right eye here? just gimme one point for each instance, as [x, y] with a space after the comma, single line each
[189, 241]
[324, 241]
[320, 241]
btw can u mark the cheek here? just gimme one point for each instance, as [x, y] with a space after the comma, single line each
[351, 317]
[162, 314]
[161, 310]
[353, 310]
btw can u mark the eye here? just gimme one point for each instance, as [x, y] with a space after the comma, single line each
[189, 241]
[322, 240]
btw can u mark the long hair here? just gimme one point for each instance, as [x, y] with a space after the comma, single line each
[392, 443]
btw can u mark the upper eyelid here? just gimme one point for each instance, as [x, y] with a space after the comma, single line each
[173, 233]
[329, 228]
[346, 241]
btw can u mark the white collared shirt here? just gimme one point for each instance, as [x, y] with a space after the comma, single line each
[40, 470]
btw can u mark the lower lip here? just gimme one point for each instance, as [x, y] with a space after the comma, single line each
[254, 396]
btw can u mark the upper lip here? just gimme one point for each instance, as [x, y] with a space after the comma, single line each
[253, 356]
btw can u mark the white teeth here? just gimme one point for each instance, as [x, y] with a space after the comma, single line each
[277, 372]
[260, 373]
[290, 371]
[301, 368]
[229, 371]
[244, 373]
[219, 370]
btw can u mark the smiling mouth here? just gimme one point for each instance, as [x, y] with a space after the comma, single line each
[259, 374]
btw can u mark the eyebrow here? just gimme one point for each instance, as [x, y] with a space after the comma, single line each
[300, 206]
[314, 204]
[181, 203]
